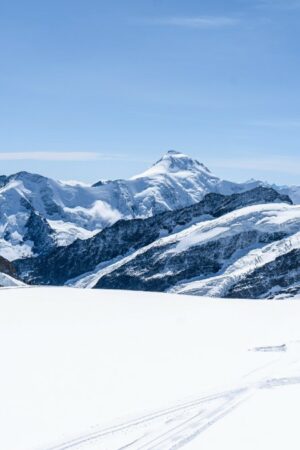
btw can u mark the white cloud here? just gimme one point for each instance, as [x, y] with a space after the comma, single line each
[196, 21]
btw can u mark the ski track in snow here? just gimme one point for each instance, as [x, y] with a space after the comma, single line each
[174, 427]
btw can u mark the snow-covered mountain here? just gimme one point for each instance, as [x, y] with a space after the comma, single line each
[123, 233]
[268, 271]
[250, 252]
[38, 213]
[204, 249]
[64, 263]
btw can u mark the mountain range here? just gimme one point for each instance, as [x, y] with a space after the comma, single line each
[176, 227]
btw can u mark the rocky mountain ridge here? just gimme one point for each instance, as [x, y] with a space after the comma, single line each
[176, 227]
[124, 238]
[68, 211]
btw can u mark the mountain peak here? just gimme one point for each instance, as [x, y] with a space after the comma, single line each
[177, 161]
[174, 161]
[27, 176]
[173, 152]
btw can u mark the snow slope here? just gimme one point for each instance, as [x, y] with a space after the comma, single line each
[9, 281]
[92, 369]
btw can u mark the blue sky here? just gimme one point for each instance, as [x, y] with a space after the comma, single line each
[94, 89]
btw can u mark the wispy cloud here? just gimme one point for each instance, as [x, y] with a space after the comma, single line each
[60, 156]
[203, 22]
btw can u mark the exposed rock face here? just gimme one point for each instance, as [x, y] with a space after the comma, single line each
[159, 269]
[8, 276]
[40, 233]
[124, 237]
[3, 180]
[278, 277]
[7, 267]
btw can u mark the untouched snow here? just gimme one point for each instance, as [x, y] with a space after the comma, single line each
[66, 232]
[92, 369]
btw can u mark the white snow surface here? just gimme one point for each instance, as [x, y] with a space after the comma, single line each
[175, 181]
[66, 232]
[8, 281]
[92, 369]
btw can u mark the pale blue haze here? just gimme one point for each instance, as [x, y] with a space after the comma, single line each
[130, 79]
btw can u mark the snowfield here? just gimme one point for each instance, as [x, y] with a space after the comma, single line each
[108, 370]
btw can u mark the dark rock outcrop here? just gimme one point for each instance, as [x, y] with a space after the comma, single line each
[40, 233]
[271, 279]
[160, 268]
[7, 267]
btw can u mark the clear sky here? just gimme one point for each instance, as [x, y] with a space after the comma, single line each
[94, 89]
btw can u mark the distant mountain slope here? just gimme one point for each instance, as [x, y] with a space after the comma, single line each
[208, 251]
[8, 276]
[267, 272]
[124, 237]
[278, 278]
[64, 212]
